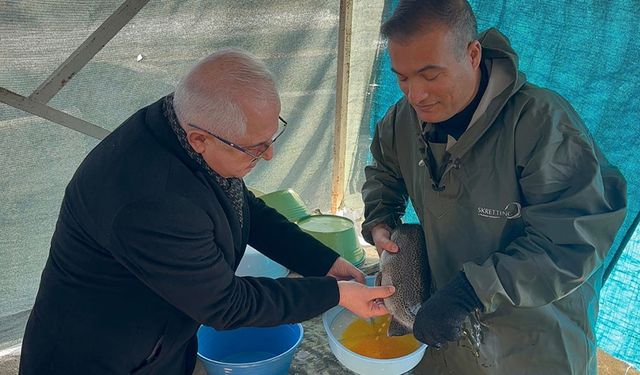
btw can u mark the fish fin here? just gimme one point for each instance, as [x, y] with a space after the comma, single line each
[378, 281]
[397, 329]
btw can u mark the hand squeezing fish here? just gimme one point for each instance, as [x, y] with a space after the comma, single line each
[408, 271]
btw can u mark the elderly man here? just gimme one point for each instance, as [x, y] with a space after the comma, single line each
[518, 205]
[154, 223]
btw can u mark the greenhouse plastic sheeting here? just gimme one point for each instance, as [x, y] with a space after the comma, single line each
[588, 51]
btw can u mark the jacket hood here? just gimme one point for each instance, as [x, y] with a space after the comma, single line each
[496, 45]
[504, 82]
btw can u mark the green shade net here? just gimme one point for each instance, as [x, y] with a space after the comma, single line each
[588, 51]
[297, 40]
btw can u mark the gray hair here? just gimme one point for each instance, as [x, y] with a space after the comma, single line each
[415, 16]
[208, 96]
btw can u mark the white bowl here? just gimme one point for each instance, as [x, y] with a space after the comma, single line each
[254, 263]
[365, 365]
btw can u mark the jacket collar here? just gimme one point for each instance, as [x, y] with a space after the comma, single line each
[504, 81]
[159, 126]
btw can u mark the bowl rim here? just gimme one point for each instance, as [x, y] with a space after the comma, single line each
[422, 348]
[251, 251]
[360, 260]
[332, 337]
[325, 216]
[255, 363]
[286, 193]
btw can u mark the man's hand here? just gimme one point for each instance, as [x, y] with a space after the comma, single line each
[381, 235]
[440, 318]
[364, 301]
[343, 270]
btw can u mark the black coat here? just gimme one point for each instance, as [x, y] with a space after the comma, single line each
[144, 251]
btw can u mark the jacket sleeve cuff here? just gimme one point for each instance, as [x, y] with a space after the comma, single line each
[485, 282]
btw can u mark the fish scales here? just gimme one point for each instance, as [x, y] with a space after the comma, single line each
[408, 271]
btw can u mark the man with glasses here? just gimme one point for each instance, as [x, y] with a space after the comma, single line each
[154, 223]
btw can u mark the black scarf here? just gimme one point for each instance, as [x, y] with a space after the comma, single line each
[232, 187]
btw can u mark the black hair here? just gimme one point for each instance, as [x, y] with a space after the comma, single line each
[417, 16]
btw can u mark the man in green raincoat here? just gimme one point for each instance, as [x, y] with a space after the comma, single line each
[519, 206]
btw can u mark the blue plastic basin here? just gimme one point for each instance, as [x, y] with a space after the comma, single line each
[249, 351]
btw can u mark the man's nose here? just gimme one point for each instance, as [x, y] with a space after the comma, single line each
[417, 91]
[268, 154]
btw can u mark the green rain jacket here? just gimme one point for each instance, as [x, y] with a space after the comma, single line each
[527, 206]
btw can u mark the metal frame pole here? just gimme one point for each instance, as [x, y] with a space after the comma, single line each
[623, 243]
[51, 114]
[87, 50]
[342, 96]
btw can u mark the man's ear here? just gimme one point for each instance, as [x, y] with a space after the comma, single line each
[475, 53]
[197, 140]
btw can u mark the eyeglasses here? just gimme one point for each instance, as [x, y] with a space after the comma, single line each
[256, 151]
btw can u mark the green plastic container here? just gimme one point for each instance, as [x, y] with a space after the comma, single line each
[336, 232]
[288, 203]
[256, 192]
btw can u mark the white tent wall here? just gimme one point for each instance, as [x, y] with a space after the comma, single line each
[298, 40]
